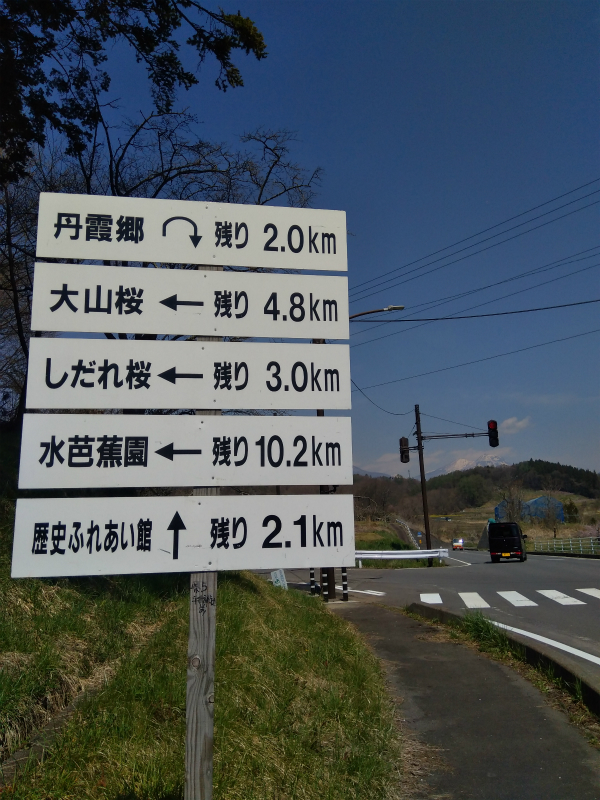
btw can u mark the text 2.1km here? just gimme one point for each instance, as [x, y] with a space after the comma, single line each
[124, 535]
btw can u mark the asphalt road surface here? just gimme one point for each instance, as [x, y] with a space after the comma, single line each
[558, 598]
[551, 596]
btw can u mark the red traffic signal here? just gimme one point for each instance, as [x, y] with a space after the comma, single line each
[404, 451]
[493, 433]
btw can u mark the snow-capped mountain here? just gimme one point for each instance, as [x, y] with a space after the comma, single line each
[463, 464]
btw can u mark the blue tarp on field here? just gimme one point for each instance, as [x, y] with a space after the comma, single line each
[539, 508]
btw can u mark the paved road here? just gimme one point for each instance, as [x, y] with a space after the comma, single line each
[523, 595]
[498, 739]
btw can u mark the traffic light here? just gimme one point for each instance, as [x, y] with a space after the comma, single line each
[493, 433]
[404, 451]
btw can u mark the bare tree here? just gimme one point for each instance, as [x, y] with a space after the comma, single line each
[158, 156]
[514, 498]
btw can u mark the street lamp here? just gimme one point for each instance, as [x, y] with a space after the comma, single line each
[376, 311]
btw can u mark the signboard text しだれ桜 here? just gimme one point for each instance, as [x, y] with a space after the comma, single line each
[101, 373]
[94, 227]
[103, 450]
[124, 535]
[84, 298]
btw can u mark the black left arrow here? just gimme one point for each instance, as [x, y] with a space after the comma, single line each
[194, 237]
[168, 451]
[171, 375]
[173, 302]
[176, 526]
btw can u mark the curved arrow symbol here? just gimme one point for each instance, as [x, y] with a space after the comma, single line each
[168, 451]
[194, 237]
[171, 375]
[176, 525]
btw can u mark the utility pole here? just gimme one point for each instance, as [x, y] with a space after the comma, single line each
[423, 484]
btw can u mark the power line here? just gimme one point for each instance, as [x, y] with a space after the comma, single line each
[469, 255]
[479, 316]
[561, 262]
[479, 360]
[480, 233]
[393, 413]
[477, 305]
[451, 421]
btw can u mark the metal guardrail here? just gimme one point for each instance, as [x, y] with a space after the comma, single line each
[392, 554]
[584, 546]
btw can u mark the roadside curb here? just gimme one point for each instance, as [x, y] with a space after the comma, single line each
[537, 655]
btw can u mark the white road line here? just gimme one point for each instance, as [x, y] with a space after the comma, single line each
[591, 592]
[466, 563]
[561, 598]
[431, 598]
[473, 600]
[573, 650]
[517, 599]
[364, 591]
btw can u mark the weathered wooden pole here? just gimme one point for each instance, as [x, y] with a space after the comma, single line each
[200, 696]
[200, 693]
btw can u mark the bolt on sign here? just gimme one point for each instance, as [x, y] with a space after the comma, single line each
[93, 227]
[98, 298]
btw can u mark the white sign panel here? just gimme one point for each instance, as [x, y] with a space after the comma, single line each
[278, 578]
[104, 450]
[105, 373]
[96, 227]
[124, 535]
[75, 297]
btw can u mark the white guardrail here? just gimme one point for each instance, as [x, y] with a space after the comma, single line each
[390, 554]
[585, 546]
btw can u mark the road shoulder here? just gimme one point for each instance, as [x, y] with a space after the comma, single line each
[499, 737]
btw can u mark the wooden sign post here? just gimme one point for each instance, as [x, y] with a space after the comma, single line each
[200, 688]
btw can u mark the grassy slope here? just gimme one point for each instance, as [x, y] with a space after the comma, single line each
[301, 708]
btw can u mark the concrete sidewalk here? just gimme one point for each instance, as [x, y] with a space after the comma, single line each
[499, 739]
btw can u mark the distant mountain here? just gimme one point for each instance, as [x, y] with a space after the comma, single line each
[358, 471]
[462, 464]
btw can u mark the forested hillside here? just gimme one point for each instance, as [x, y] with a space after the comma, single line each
[448, 494]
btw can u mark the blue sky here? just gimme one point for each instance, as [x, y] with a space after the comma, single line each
[434, 121]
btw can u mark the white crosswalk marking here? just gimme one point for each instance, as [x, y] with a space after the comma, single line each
[431, 598]
[561, 598]
[473, 600]
[591, 592]
[517, 599]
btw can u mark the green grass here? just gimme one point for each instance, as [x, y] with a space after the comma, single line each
[301, 709]
[489, 637]
[58, 637]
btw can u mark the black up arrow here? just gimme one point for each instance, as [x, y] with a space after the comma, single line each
[171, 375]
[173, 302]
[194, 237]
[168, 451]
[176, 526]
